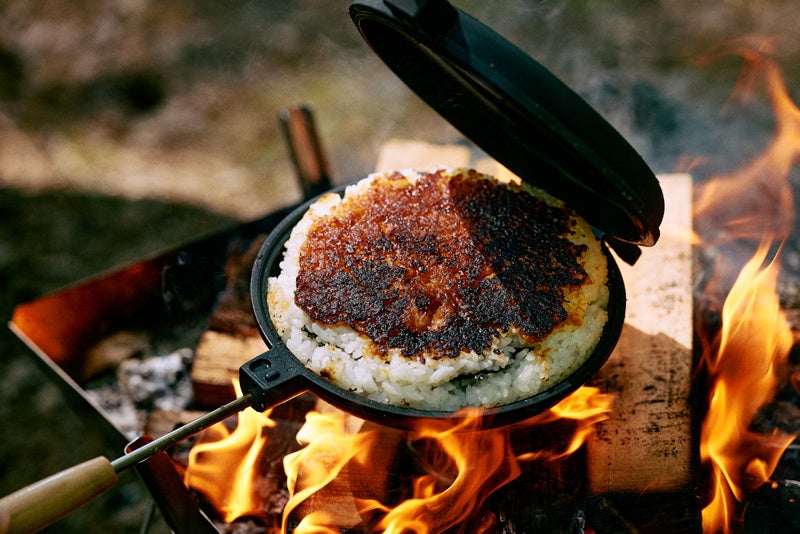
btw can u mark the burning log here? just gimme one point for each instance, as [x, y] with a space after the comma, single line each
[218, 357]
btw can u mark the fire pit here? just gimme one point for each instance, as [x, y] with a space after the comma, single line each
[598, 486]
[490, 89]
[540, 484]
[538, 481]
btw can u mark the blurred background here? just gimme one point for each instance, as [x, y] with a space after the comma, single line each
[128, 127]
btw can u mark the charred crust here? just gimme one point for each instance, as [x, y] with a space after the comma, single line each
[440, 266]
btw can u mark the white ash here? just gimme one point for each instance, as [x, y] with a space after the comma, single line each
[157, 382]
[118, 409]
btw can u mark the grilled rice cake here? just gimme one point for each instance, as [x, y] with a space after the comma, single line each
[443, 264]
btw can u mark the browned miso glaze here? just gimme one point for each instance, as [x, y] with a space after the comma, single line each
[440, 266]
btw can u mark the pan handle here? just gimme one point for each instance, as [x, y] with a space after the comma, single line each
[273, 377]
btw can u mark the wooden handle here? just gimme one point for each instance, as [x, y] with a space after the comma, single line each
[34, 507]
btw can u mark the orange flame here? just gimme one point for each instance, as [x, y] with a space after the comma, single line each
[466, 465]
[224, 463]
[463, 466]
[743, 362]
[754, 341]
[586, 407]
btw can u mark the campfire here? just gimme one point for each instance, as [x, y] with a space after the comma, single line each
[656, 438]
[338, 476]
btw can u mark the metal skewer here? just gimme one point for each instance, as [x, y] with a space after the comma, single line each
[179, 434]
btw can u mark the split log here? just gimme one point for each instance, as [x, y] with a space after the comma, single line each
[409, 154]
[646, 445]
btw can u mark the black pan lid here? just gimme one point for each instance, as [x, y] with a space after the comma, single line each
[519, 113]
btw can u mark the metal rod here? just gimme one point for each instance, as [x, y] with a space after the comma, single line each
[181, 433]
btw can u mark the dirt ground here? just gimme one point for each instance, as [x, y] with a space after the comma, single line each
[129, 127]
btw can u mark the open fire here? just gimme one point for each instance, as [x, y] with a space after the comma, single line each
[222, 465]
[744, 366]
[329, 472]
[336, 476]
[750, 211]
[338, 479]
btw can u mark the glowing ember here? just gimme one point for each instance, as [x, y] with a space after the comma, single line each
[744, 360]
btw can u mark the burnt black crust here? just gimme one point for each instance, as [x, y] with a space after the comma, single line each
[441, 266]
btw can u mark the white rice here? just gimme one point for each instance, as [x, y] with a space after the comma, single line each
[509, 371]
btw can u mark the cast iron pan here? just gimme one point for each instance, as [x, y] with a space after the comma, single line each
[278, 375]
